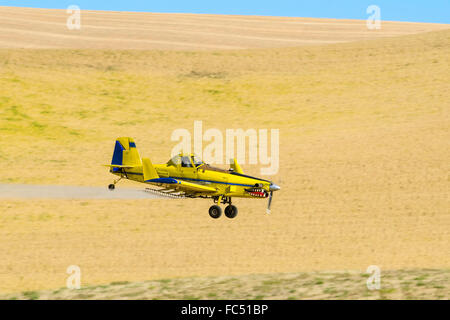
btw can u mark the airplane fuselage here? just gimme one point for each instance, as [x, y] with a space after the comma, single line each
[229, 184]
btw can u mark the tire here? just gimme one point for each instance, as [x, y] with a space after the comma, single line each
[231, 211]
[111, 187]
[215, 212]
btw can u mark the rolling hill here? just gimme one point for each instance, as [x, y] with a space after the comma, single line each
[46, 28]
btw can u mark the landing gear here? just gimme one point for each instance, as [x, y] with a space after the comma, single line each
[215, 211]
[231, 211]
[112, 186]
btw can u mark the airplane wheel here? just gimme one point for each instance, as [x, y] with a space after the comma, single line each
[111, 187]
[215, 211]
[231, 211]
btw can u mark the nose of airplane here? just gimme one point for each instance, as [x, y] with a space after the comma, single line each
[274, 187]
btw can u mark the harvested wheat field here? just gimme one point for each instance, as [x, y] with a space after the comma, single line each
[47, 28]
[364, 170]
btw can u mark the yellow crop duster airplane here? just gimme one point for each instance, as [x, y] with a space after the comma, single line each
[188, 176]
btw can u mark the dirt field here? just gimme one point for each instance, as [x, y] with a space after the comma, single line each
[364, 149]
[44, 28]
[406, 284]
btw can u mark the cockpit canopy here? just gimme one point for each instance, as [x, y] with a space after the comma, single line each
[186, 161]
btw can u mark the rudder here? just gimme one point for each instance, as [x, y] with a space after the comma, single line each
[126, 153]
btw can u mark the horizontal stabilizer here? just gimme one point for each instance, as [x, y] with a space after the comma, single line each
[120, 166]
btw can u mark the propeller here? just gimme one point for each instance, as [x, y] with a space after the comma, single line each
[273, 187]
[269, 203]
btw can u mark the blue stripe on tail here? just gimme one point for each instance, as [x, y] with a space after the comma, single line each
[118, 154]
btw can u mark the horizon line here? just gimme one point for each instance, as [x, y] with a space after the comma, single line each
[226, 14]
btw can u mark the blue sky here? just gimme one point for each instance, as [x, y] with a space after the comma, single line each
[399, 10]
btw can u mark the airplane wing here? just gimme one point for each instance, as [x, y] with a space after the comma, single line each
[181, 184]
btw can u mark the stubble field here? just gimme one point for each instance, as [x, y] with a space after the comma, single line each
[364, 149]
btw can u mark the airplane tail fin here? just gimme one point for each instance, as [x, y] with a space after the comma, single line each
[125, 153]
